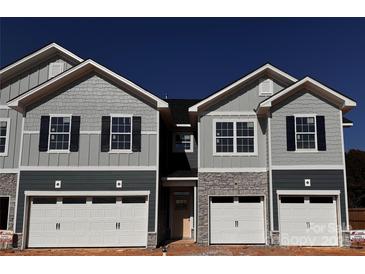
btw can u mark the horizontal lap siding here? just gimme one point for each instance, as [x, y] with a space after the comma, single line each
[305, 102]
[87, 181]
[89, 153]
[320, 180]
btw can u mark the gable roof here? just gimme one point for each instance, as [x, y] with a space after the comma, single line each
[41, 54]
[344, 103]
[73, 74]
[267, 68]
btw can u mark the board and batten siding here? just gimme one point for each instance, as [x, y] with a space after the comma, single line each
[12, 88]
[87, 181]
[91, 98]
[320, 180]
[89, 153]
[244, 98]
[305, 102]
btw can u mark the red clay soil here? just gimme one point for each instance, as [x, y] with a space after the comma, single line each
[193, 250]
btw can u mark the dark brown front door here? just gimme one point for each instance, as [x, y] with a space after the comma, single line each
[180, 212]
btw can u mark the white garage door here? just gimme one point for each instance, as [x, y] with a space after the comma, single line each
[237, 220]
[308, 221]
[88, 222]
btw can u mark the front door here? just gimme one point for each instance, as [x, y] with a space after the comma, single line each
[181, 211]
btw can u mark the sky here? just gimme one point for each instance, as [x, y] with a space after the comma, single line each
[195, 57]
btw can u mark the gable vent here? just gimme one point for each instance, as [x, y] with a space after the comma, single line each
[55, 69]
[266, 87]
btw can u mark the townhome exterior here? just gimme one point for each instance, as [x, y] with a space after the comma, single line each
[90, 159]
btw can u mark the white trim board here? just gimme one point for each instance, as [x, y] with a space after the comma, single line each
[143, 132]
[307, 167]
[9, 170]
[325, 91]
[232, 169]
[44, 50]
[309, 192]
[88, 193]
[229, 113]
[267, 67]
[69, 75]
[87, 168]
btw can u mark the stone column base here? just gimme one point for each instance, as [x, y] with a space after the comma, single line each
[152, 240]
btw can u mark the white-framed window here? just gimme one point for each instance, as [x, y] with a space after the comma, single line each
[55, 69]
[183, 142]
[59, 133]
[235, 137]
[266, 87]
[120, 133]
[4, 136]
[305, 133]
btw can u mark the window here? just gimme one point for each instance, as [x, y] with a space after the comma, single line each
[249, 199]
[235, 137]
[321, 200]
[121, 133]
[59, 133]
[134, 200]
[74, 200]
[104, 200]
[245, 137]
[44, 200]
[266, 87]
[4, 135]
[292, 200]
[183, 142]
[222, 200]
[305, 133]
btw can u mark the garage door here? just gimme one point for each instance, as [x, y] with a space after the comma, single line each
[308, 220]
[237, 220]
[88, 221]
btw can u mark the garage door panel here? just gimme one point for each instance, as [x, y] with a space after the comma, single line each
[239, 220]
[308, 223]
[84, 224]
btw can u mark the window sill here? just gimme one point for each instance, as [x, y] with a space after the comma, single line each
[266, 94]
[58, 151]
[120, 151]
[306, 151]
[3, 154]
[236, 154]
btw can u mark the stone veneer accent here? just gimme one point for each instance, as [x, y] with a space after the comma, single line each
[152, 240]
[8, 188]
[227, 183]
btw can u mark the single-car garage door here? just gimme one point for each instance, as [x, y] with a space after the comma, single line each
[88, 221]
[308, 220]
[237, 220]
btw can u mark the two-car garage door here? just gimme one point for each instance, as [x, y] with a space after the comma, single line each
[237, 220]
[88, 221]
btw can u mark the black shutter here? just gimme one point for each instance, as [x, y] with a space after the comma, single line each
[75, 133]
[43, 134]
[290, 133]
[136, 134]
[105, 133]
[321, 133]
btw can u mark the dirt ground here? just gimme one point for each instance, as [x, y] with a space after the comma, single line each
[193, 250]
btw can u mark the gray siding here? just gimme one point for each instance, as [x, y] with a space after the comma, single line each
[12, 158]
[305, 102]
[28, 79]
[87, 181]
[12, 88]
[320, 180]
[244, 98]
[208, 160]
[89, 153]
[91, 98]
